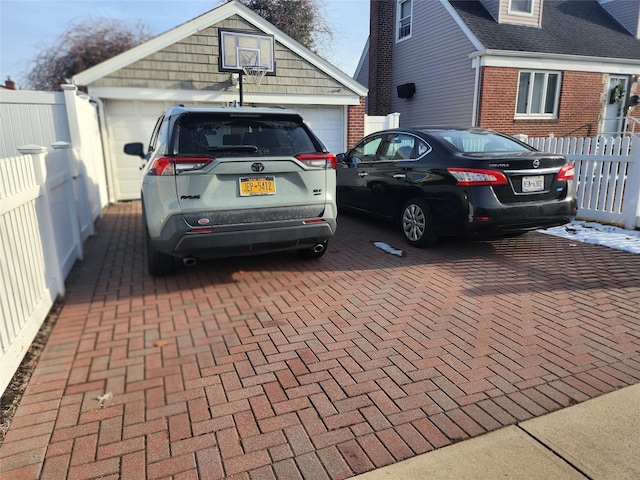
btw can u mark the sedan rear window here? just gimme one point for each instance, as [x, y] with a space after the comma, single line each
[481, 141]
[232, 136]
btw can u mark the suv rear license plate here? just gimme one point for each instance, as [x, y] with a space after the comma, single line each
[250, 186]
[533, 184]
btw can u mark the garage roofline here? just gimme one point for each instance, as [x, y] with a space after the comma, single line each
[210, 96]
[207, 20]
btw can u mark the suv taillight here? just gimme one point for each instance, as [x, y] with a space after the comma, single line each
[469, 177]
[171, 166]
[567, 172]
[323, 160]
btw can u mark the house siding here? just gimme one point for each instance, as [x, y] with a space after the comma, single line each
[626, 12]
[192, 64]
[362, 75]
[436, 59]
[533, 20]
[493, 7]
[580, 105]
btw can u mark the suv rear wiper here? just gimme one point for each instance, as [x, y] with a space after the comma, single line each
[234, 148]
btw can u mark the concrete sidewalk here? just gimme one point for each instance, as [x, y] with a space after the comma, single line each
[597, 439]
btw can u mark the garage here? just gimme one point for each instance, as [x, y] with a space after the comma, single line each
[133, 121]
[191, 65]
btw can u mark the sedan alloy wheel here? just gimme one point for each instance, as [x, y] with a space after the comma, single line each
[417, 223]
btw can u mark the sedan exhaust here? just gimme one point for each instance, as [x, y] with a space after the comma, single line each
[189, 261]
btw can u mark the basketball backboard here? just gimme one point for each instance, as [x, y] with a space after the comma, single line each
[246, 49]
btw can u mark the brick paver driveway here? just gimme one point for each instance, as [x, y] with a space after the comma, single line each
[271, 367]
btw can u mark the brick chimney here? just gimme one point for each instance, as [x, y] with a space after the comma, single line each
[382, 15]
[9, 84]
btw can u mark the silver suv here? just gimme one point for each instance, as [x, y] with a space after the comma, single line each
[234, 181]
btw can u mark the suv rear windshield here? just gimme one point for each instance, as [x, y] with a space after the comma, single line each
[236, 134]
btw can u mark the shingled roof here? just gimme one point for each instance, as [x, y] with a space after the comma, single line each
[572, 27]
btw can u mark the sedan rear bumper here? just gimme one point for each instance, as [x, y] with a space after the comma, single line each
[504, 219]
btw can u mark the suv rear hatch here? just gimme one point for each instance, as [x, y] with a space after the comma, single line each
[240, 168]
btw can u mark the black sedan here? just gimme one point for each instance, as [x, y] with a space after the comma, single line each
[437, 181]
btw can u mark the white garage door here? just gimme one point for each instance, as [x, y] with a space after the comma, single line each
[129, 121]
[328, 123]
[133, 121]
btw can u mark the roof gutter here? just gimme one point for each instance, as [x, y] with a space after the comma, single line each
[486, 55]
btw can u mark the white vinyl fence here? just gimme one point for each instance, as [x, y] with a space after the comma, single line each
[50, 197]
[39, 243]
[374, 124]
[607, 174]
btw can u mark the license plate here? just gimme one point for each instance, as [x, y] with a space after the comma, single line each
[533, 184]
[250, 186]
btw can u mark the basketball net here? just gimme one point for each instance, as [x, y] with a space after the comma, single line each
[254, 75]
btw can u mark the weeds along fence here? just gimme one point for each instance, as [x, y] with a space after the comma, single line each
[607, 176]
[44, 220]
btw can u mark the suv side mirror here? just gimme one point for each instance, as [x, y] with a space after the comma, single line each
[340, 157]
[135, 148]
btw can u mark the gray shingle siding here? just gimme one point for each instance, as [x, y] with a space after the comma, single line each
[192, 64]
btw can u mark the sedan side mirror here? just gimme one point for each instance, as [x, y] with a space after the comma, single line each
[135, 148]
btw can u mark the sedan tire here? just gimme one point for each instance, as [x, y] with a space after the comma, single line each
[417, 223]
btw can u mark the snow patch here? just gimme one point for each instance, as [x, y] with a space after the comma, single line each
[388, 249]
[597, 234]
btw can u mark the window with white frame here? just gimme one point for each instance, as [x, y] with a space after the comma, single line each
[521, 6]
[404, 19]
[538, 94]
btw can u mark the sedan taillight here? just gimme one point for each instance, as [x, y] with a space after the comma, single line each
[172, 166]
[567, 172]
[469, 177]
[323, 160]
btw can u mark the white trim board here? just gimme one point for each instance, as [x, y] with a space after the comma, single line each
[548, 61]
[150, 94]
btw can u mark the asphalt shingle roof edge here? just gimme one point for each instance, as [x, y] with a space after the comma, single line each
[569, 27]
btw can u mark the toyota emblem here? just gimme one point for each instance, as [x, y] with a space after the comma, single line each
[536, 163]
[258, 167]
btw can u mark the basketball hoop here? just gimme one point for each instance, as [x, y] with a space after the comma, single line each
[254, 74]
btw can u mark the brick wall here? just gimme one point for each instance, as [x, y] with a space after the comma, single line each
[355, 123]
[382, 13]
[581, 104]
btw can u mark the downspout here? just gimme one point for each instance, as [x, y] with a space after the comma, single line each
[475, 63]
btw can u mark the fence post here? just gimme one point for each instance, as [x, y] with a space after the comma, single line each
[631, 203]
[49, 243]
[70, 100]
[394, 120]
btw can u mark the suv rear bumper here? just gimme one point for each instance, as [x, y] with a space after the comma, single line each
[180, 240]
